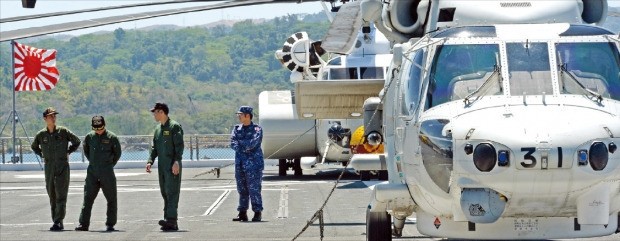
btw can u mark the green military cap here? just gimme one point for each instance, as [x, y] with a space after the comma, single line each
[49, 111]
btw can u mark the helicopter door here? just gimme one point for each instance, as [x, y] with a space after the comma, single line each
[325, 99]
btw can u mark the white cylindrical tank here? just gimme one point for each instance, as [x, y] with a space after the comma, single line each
[278, 118]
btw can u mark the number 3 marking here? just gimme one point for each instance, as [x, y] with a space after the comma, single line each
[528, 156]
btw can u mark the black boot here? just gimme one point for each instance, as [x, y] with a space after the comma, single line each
[257, 217]
[243, 216]
[169, 225]
[57, 227]
[81, 227]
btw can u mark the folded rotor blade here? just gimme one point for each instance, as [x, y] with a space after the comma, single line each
[342, 33]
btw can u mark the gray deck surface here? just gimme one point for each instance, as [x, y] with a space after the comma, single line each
[288, 203]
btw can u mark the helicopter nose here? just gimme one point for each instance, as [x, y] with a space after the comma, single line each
[535, 138]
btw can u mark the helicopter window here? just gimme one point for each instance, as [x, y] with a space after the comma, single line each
[335, 61]
[446, 15]
[460, 69]
[353, 73]
[412, 85]
[343, 73]
[593, 65]
[371, 72]
[581, 30]
[528, 65]
[467, 32]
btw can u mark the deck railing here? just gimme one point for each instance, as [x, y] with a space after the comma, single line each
[135, 148]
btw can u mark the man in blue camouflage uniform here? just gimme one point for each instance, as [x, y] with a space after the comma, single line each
[246, 139]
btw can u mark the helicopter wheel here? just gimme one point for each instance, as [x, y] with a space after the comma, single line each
[364, 175]
[378, 226]
[282, 167]
[618, 230]
[382, 175]
[297, 167]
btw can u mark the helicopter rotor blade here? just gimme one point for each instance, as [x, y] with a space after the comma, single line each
[342, 33]
[56, 14]
[69, 26]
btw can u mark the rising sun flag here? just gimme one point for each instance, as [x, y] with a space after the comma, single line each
[35, 69]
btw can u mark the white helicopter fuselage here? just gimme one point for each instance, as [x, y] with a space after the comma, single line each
[368, 63]
[494, 139]
[287, 134]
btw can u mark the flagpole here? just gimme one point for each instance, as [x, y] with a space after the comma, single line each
[14, 159]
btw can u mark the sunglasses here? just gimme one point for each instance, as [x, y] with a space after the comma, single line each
[99, 128]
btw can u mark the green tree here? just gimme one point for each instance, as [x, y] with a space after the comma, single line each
[122, 73]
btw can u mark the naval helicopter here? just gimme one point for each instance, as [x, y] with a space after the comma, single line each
[500, 120]
[297, 137]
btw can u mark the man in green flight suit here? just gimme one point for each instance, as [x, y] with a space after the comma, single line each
[103, 150]
[52, 144]
[168, 147]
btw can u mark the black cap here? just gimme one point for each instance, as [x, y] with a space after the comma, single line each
[160, 106]
[98, 122]
[49, 111]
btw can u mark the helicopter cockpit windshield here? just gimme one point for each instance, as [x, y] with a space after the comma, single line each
[461, 69]
[529, 69]
[593, 66]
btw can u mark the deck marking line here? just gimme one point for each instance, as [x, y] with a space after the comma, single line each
[217, 203]
[283, 209]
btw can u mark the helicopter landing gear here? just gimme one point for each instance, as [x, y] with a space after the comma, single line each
[285, 164]
[380, 175]
[378, 226]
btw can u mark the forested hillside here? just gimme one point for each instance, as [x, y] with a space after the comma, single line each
[203, 74]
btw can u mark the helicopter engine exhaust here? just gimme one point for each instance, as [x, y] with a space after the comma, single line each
[594, 11]
[406, 16]
[401, 20]
[28, 3]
